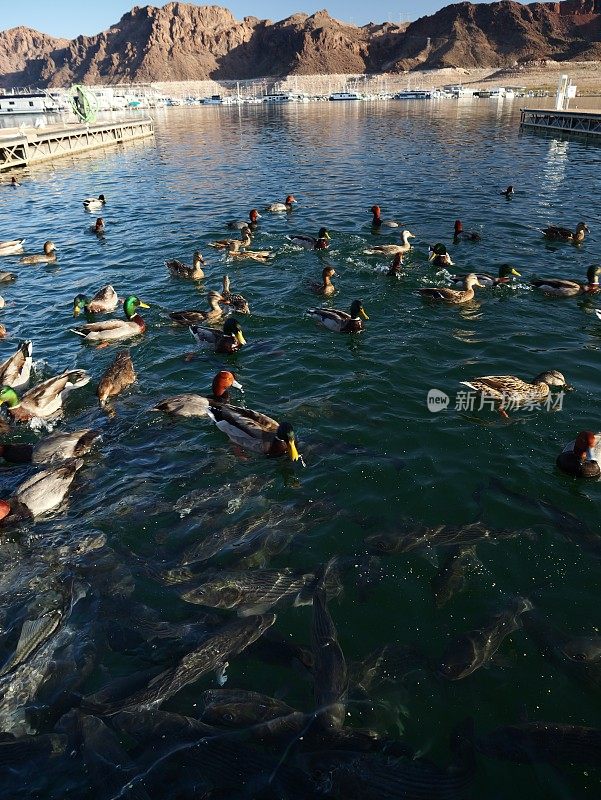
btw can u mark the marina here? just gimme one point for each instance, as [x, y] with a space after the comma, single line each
[22, 147]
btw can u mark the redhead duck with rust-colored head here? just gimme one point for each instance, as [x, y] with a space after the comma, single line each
[582, 457]
[285, 206]
[459, 235]
[240, 224]
[378, 222]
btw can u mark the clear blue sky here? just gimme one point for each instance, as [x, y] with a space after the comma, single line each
[71, 17]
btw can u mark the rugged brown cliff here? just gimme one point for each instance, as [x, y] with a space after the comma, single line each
[181, 41]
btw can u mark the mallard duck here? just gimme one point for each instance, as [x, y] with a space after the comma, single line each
[181, 270]
[340, 321]
[566, 235]
[47, 257]
[320, 242]
[508, 193]
[233, 245]
[285, 206]
[54, 448]
[326, 287]
[16, 370]
[7, 277]
[44, 400]
[392, 249]
[104, 300]
[112, 330]
[41, 493]
[466, 236]
[378, 222]
[452, 296]
[238, 302]
[94, 203]
[227, 341]
[439, 256]
[191, 317]
[11, 247]
[394, 270]
[565, 288]
[195, 405]
[239, 224]
[255, 431]
[582, 457]
[116, 377]
[98, 226]
[507, 390]
[506, 272]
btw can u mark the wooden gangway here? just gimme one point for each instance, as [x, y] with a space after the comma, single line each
[585, 124]
[23, 146]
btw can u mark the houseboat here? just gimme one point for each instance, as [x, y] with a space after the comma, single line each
[345, 96]
[28, 103]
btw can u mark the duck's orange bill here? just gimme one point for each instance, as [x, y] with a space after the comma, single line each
[4, 509]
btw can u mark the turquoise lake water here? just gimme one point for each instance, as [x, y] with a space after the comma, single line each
[377, 460]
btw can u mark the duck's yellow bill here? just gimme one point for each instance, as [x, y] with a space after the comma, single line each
[240, 339]
[76, 311]
[363, 314]
[327, 235]
[515, 272]
[144, 305]
[292, 451]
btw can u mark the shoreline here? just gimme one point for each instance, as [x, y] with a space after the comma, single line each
[545, 77]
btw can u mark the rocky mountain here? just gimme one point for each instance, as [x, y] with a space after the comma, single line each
[181, 41]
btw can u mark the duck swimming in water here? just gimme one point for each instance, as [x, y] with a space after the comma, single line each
[378, 222]
[326, 287]
[44, 400]
[94, 203]
[509, 192]
[340, 321]
[54, 448]
[16, 370]
[285, 206]
[98, 226]
[558, 287]
[193, 317]
[233, 245]
[181, 270]
[14, 182]
[506, 272]
[104, 301]
[7, 277]
[229, 340]
[114, 330]
[392, 249]
[452, 296]
[196, 405]
[459, 235]
[11, 247]
[239, 224]
[256, 432]
[238, 303]
[582, 457]
[439, 256]
[320, 242]
[41, 493]
[117, 376]
[508, 390]
[566, 235]
[47, 257]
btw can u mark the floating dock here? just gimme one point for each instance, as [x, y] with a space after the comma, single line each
[21, 147]
[586, 124]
